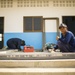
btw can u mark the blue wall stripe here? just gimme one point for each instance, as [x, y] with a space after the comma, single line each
[51, 37]
[32, 38]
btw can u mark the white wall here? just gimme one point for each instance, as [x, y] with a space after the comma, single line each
[14, 16]
[50, 26]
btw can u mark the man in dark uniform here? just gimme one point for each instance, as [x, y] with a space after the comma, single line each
[66, 43]
[15, 43]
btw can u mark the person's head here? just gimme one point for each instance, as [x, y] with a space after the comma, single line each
[63, 28]
[22, 43]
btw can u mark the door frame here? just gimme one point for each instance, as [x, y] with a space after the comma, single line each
[3, 30]
[44, 35]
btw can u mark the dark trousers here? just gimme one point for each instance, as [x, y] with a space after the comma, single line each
[65, 47]
[11, 45]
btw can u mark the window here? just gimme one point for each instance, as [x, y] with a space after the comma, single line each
[33, 24]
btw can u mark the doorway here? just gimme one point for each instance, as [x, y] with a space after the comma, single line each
[50, 30]
[1, 31]
[70, 22]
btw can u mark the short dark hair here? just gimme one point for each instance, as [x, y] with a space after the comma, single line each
[62, 26]
[22, 43]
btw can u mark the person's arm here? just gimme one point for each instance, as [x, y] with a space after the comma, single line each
[67, 39]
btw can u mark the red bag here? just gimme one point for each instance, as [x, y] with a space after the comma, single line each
[28, 49]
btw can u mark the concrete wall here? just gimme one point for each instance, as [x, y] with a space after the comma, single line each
[13, 22]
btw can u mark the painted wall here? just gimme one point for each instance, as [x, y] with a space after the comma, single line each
[32, 39]
[51, 30]
[13, 24]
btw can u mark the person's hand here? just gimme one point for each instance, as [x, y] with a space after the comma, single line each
[57, 38]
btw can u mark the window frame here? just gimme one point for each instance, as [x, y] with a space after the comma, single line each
[33, 24]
